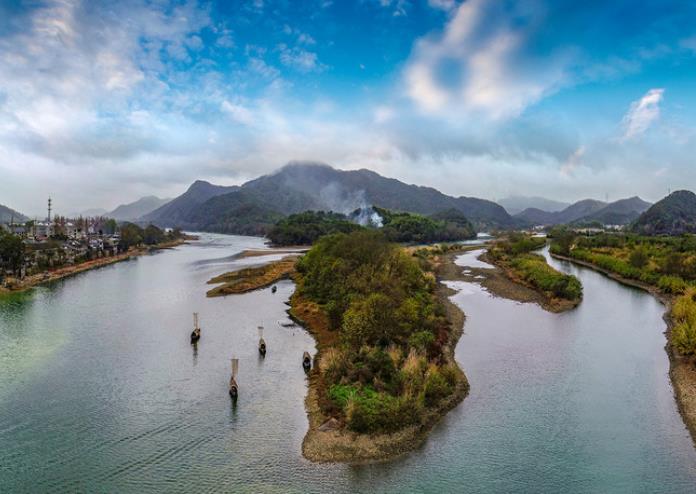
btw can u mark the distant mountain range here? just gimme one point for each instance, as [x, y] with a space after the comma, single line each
[517, 204]
[7, 215]
[134, 210]
[673, 215]
[88, 213]
[301, 186]
[176, 211]
[620, 212]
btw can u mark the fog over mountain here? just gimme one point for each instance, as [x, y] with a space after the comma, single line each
[621, 212]
[517, 204]
[301, 186]
[136, 209]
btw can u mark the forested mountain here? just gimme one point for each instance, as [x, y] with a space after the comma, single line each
[620, 212]
[175, 212]
[7, 215]
[673, 215]
[134, 210]
[299, 187]
[570, 214]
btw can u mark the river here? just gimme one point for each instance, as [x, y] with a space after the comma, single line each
[100, 391]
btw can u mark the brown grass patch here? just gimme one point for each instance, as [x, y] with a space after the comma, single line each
[249, 279]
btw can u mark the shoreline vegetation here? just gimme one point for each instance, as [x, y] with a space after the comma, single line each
[385, 329]
[650, 264]
[554, 291]
[48, 276]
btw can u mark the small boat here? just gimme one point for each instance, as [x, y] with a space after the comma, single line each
[196, 333]
[306, 360]
[234, 388]
[262, 342]
[274, 289]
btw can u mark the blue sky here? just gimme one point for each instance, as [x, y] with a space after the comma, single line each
[104, 102]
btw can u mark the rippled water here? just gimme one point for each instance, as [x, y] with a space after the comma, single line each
[100, 391]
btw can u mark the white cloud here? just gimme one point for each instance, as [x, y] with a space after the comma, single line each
[398, 6]
[238, 112]
[300, 59]
[476, 65]
[384, 114]
[573, 161]
[446, 5]
[642, 114]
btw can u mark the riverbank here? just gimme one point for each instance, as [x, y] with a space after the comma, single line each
[326, 440]
[67, 271]
[245, 254]
[254, 278]
[682, 369]
[542, 297]
[503, 283]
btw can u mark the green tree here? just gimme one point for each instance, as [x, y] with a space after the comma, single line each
[563, 240]
[153, 235]
[638, 258]
[131, 235]
[11, 252]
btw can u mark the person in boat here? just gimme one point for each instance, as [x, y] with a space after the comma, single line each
[306, 360]
[274, 289]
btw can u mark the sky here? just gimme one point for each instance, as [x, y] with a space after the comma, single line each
[104, 102]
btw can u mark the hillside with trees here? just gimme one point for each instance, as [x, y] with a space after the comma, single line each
[8, 214]
[299, 187]
[673, 215]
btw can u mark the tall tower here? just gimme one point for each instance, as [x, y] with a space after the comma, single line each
[49, 211]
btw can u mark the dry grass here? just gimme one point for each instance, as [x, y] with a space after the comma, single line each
[249, 279]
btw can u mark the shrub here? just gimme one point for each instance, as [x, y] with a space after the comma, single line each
[436, 386]
[684, 315]
[534, 269]
[672, 284]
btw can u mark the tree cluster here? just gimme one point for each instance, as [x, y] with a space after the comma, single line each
[387, 367]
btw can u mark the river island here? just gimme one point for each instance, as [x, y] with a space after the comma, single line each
[385, 331]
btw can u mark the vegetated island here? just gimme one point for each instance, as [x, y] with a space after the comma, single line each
[664, 266]
[553, 290]
[252, 278]
[307, 227]
[385, 330]
[135, 241]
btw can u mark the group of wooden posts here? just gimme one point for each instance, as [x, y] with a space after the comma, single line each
[234, 387]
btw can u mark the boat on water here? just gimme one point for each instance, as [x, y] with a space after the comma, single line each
[234, 387]
[262, 342]
[196, 333]
[306, 361]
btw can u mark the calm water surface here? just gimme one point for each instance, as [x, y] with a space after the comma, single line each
[100, 391]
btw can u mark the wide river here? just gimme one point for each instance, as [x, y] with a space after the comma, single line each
[100, 391]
